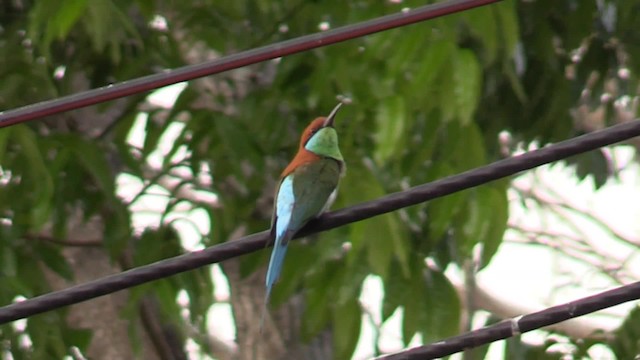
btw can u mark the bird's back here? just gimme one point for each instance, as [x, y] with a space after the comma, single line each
[313, 185]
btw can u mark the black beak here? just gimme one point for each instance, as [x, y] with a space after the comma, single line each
[329, 120]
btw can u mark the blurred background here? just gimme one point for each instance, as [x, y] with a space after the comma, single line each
[99, 190]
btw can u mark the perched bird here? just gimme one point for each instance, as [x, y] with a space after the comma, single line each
[307, 188]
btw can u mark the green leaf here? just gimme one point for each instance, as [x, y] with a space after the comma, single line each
[4, 140]
[463, 147]
[403, 49]
[443, 308]
[52, 257]
[496, 202]
[316, 314]
[482, 220]
[431, 306]
[431, 66]
[99, 22]
[152, 133]
[517, 349]
[483, 26]
[78, 337]
[626, 344]
[594, 163]
[471, 224]
[390, 128]
[54, 20]
[346, 328]
[415, 305]
[300, 260]
[396, 290]
[156, 244]
[117, 229]
[38, 176]
[200, 289]
[467, 80]
[348, 284]
[45, 331]
[376, 235]
[93, 159]
[509, 30]
[516, 83]
[8, 270]
[383, 237]
[66, 15]
[165, 293]
[238, 145]
[441, 211]
[108, 26]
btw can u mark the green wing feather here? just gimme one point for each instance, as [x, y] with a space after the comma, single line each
[313, 185]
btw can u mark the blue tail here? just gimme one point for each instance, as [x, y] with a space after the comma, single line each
[273, 272]
[275, 264]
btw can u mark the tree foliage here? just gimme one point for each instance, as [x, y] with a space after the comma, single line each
[429, 100]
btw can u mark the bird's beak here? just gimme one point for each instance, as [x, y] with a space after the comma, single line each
[329, 120]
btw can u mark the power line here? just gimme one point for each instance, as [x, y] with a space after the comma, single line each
[303, 43]
[516, 326]
[395, 201]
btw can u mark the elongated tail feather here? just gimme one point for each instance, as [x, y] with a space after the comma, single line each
[273, 272]
[275, 265]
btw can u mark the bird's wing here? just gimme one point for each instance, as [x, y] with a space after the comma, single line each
[303, 195]
[313, 186]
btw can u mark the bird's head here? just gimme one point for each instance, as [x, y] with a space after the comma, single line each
[321, 138]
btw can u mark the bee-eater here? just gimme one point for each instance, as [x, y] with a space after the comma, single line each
[307, 188]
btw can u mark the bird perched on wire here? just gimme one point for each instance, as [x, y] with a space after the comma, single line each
[307, 188]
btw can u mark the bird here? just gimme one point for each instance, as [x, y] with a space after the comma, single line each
[308, 186]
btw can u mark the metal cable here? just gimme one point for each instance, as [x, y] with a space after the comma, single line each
[288, 47]
[395, 201]
[516, 326]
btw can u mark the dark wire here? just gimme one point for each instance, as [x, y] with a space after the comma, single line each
[419, 194]
[521, 325]
[235, 61]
